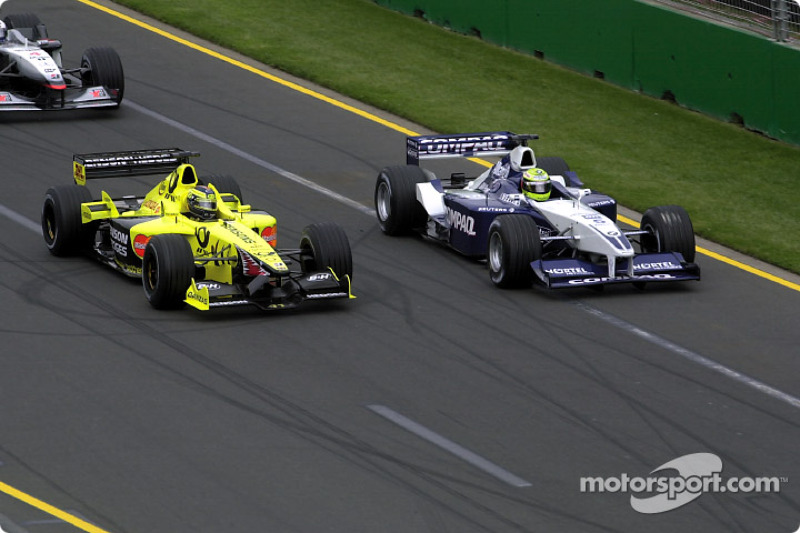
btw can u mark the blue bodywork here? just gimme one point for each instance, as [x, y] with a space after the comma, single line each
[470, 210]
[465, 226]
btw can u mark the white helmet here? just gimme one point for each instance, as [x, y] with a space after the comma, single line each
[2, 31]
[522, 158]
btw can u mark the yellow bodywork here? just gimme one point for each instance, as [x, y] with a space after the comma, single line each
[197, 297]
[236, 234]
[213, 242]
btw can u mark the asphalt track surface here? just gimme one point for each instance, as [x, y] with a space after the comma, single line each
[433, 402]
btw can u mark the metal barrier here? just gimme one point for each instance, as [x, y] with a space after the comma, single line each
[777, 19]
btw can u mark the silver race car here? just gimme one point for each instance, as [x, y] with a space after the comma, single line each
[33, 78]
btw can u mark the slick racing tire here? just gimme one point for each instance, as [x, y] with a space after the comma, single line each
[23, 21]
[669, 229]
[64, 231]
[167, 270]
[325, 245]
[102, 66]
[396, 203]
[513, 244]
[225, 184]
[555, 166]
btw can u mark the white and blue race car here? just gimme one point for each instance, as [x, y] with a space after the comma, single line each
[570, 240]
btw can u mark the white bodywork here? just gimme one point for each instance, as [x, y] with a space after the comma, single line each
[580, 244]
[522, 158]
[33, 77]
[431, 199]
[590, 231]
[586, 229]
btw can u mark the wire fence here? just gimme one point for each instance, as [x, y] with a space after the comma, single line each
[777, 19]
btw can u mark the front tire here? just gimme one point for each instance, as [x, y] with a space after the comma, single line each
[167, 270]
[513, 245]
[669, 229]
[62, 227]
[396, 203]
[325, 245]
[102, 66]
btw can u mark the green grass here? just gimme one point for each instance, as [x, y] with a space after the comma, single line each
[739, 187]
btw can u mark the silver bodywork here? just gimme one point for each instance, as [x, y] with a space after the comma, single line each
[34, 79]
[33, 62]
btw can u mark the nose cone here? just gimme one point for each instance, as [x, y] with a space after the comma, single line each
[38, 65]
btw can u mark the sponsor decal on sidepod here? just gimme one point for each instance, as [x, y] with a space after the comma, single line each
[461, 222]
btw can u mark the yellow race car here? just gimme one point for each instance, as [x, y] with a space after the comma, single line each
[191, 240]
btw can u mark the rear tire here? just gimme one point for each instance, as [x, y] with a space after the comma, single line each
[554, 165]
[669, 229]
[62, 227]
[167, 270]
[396, 203]
[102, 66]
[27, 21]
[325, 245]
[225, 184]
[513, 244]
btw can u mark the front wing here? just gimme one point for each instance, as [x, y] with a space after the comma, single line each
[84, 98]
[649, 267]
[204, 295]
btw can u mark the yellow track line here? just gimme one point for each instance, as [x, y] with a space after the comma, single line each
[747, 268]
[729, 261]
[90, 528]
[384, 122]
[49, 509]
[705, 251]
[258, 72]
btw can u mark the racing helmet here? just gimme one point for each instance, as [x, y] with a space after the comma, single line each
[202, 202]
[3, 31]
[535, 184]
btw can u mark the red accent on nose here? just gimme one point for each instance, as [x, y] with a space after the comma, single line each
[56, 87]
[270, 234]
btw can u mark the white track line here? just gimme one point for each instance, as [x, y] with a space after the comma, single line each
[650, 337]
[20, 219]
[449, 446]
[691, 356]
[249, 157]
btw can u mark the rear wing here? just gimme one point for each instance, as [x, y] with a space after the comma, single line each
[124, 164]
[491, 143]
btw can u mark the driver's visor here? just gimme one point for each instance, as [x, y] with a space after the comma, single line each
[536, 187]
